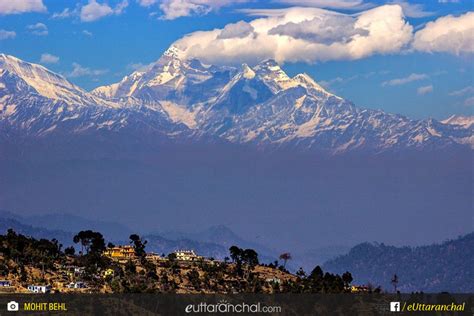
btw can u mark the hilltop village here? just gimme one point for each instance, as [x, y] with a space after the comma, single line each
[28, 265]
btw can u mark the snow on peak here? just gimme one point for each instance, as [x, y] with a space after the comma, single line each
[274, 77]
[44, 81]
[247, 72]
[251, 105]
[465, 121]
[306, 81]
[49, 84]
[269, 64]
[174, 52]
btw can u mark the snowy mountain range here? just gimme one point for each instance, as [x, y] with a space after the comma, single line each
[180, 99]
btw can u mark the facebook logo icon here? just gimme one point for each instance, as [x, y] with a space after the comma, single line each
[394, 306]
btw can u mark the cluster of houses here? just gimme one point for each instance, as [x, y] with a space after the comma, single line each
[117, 253]
[124, 253]
[72, 273]
[7, 286]
[39, 288]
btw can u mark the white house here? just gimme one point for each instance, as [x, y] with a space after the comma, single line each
[39, 288]
[273, 280]
[79, 270]
[5, 283]
[186, 255]
[77, 285]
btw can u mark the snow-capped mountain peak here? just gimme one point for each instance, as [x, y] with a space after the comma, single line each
[275, 78]
[247, 72]
[49, 84]
[465, 121]
[306, 81]
[179, 97]
[45, 82]
[174, 52]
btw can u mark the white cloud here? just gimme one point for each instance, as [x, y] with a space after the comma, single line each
[401, 81]
[80, 71]
[463, 91]
[66, 13]
[94, 11]
[21, 6]
[121, 7]
[266, 12]
[292, 35]
[39, 29]
[4, 34]
[49, 59]
[87, 33]
[139, 66]
[236, 30]
[469, 101]
[330, 82]
[330, 4]
[449, 34]
[413, 10]
[324, 29]
[146, 3]
[173, 9]
[342, 81]
[424, 90]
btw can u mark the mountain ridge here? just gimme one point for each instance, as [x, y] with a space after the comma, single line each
[185, 99]
[437, 267]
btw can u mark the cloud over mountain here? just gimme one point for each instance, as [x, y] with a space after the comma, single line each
[173, 9]
[304, 34]
[448, 34]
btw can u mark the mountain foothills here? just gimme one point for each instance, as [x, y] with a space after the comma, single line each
[434, 268]
[176, 99]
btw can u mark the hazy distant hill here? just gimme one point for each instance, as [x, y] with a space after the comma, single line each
[157, 243]
[38, 232]
[317, 256]
[35, 226]
[441, 267]
[71, 223]
[225, 238]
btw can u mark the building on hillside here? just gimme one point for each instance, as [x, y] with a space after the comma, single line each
[5, 283]
[79, 270]
[359, 289]
[76, 285]
[186, 255]
[108, 273]
[153, 256]
[120, 252]
[39, 288]
[273, 280]
[74, 271]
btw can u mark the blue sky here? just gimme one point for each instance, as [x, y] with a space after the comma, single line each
[97, 42]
